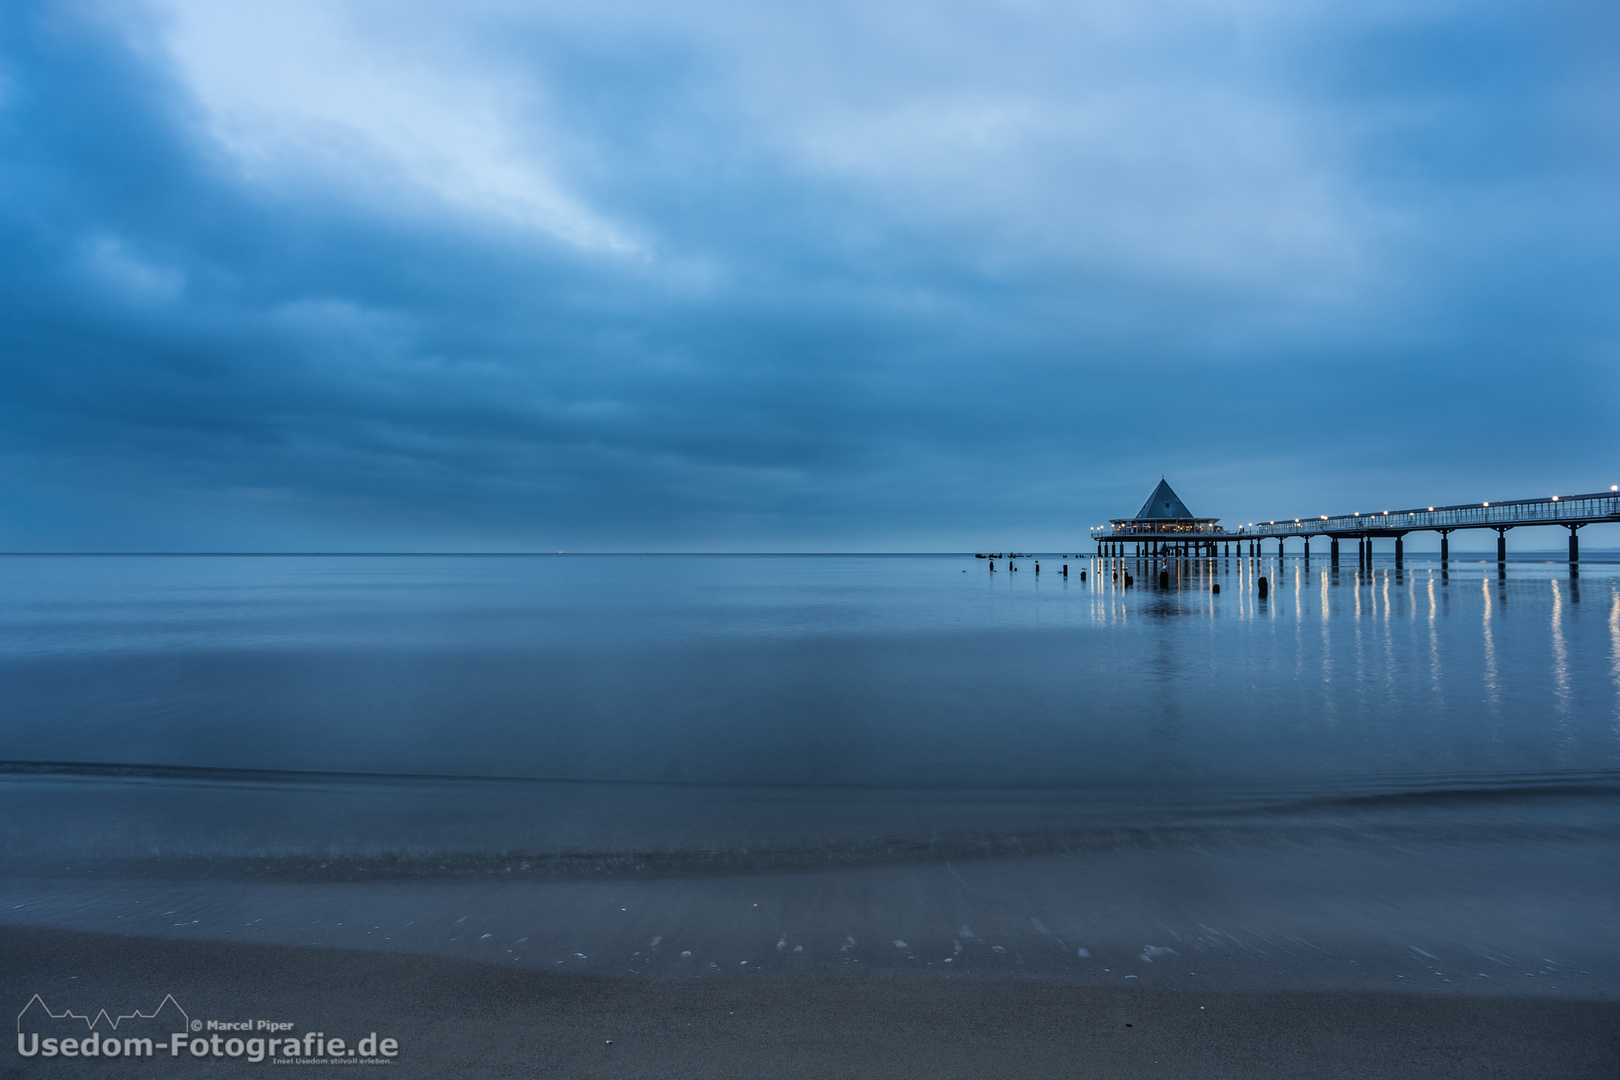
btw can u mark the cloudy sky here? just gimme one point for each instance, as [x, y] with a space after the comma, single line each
[622, 275]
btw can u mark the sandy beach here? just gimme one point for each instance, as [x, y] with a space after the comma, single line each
[459, 1018]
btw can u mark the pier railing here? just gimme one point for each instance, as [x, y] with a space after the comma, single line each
[1168, 531]
[1554, 510]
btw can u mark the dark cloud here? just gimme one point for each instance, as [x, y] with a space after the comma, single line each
[898, 279]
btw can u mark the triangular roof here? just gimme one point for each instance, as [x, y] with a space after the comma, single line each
[1163, 505]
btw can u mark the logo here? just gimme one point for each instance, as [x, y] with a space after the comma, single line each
[168, 1031]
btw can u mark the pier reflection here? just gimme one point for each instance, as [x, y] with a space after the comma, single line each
[1382, 631]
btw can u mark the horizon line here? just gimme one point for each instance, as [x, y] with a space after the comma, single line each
[623, 554]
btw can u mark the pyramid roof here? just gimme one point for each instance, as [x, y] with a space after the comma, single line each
[1164, 505]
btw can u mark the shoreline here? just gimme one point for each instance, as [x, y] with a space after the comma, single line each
[472, 1019]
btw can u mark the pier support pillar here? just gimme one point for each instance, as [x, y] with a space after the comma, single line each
[1400, 550]
[1307, 549]
[1574, 544]
[1333, 550]
[1279, 547]
[1445, 545]
[1501, 545]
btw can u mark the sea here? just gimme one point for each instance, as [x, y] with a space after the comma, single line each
[830, 766]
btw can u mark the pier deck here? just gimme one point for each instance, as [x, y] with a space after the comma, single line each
[1204, 537]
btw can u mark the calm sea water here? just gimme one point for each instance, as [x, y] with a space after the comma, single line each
[786, 763]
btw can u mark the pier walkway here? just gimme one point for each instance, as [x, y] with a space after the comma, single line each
[1571, 511]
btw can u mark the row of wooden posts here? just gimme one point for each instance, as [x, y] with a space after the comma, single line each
[1262, 586]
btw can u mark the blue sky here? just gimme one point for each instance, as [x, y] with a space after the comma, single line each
[846, 276]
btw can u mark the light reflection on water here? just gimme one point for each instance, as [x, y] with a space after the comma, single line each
[1614, 653]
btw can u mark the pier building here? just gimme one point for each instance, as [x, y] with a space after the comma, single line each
[1164, 526]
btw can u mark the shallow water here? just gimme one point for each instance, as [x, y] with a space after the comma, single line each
[874, 749]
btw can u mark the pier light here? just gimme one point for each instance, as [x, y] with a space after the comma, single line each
[1324, 517]
[1431, 509]
[1555, 498]
[1487, 504]
[1296, 521]
[1614, 487]
[1386, 513]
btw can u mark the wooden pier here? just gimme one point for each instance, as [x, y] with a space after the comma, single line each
[1175, 532]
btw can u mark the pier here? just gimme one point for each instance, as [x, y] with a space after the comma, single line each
[1166, 528]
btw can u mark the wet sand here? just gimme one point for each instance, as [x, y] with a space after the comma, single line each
[455, 1017]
